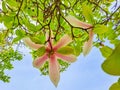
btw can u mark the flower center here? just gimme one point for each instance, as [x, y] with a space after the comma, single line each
[50, 52]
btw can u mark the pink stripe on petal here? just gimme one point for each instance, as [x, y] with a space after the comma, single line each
[54, 72]
[40, 61]
[77, 23]
[69, 58]
[88, 45]
[31, 44]
[66, 39]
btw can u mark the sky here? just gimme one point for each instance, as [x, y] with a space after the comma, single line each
[84, 74]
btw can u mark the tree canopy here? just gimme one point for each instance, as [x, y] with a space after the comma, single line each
[59, 30]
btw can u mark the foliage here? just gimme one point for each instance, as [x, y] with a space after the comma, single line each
[35, 18]
[7, 56]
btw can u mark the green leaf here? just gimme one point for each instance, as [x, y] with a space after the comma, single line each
[87, 12]
[66, 50]
[2, 40]
[100, 29]
[106, 51]
[119, 80]
[21, 33]
[16, 39]
[4, 6]
[13, 4]
[31, 27]
[112, 64]
[115, 86]
[115, 42]
[111, 34]
[8, 21]
[7, 55]
[40, 51]
[39, 39]
[24, 4]
[1, 18]
[78, 48]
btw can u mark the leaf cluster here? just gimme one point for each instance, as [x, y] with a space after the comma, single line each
[7, 56]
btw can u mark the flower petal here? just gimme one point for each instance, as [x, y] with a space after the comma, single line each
[69, 58]
[88, 45]
[54, 72]
[66, 39]
[40, 61]
[31, 44]
[77, 23]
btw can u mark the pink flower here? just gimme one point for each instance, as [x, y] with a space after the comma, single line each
[51, 55]
[77, 23]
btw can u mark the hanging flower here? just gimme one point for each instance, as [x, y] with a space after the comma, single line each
[77, 23]
[52, 55]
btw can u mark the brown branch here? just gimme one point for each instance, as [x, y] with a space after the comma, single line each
[17, 15]
[97, 4]
[111, 15]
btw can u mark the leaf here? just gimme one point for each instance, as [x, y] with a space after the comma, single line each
[21, 33]
[111, 34]
[7, 55]
[115, 42]
[39, 39]
[87, 12]
[112, 64]
[13, 4]
[78, 48]
[8, 21]
[36, 40]
[16, 39]
[1, 18]
[40, 51]
[115, 86]
[31, 27]
[4, 6]
[100, 29]
[24, 4]
[106, 51]
[66, 50]
[2, 40]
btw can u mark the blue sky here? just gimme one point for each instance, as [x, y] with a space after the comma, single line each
[84, 74]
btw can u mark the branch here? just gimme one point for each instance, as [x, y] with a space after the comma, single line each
[106, 21]
[19, 11]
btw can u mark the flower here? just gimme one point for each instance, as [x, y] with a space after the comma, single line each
[77, 23]
[51, 55]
